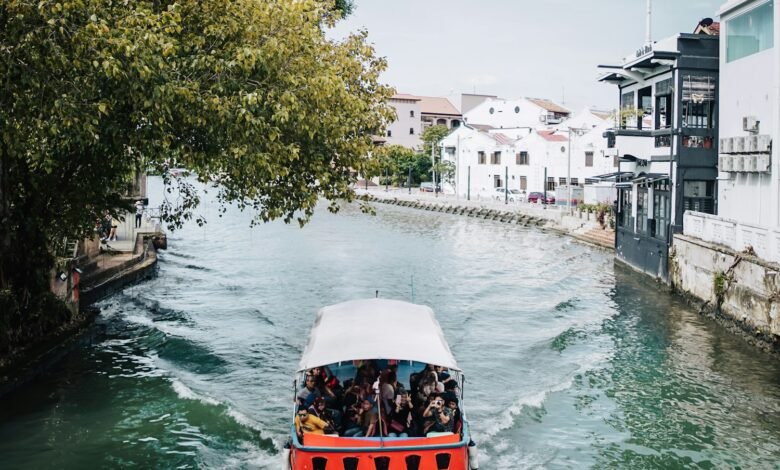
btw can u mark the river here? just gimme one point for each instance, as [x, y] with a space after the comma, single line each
[571, 361]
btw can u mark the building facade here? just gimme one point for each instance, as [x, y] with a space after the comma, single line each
[407, 127]
[666, 140]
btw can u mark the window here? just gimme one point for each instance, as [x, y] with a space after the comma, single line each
[450, 151]
[491, 110]
[517, 109]
[698, 101]
[521, 158]
[624, 211]
[627, 104]
[645, 98]
[550, 183]
[389, 133]
[588, 158]
[660, 209]
[523, 183]
[481, 158]
[641, 209]
[411, 113]
[497, 183]
[699, 196]
[495, 158]
[575, 182]
[411, 131]
[750, 32]
[562, 181]
[591, 181]
[663, 104]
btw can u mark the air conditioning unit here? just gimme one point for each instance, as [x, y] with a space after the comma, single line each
[725, 163]
[762, 162]
[763, 142]
[751, 143]
[737, 144]
[750, 162]
[750, 124]
[738, 163]
[726, 145]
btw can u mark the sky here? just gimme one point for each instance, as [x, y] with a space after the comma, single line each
[515, 48]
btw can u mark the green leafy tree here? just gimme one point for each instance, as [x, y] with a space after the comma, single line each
[249, 95]
[431, 136]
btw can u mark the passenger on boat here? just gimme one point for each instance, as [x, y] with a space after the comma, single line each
[400, 418]
[309, 391]
[306, 423]
[439, 418]
[320, 410]
[387, 391]
[366, 420]
[456, 417]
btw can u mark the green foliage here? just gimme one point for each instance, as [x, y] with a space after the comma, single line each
[431, 136]
[397, 160]
[249, 95]
[720, 282]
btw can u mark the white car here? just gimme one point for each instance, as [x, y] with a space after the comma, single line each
[514, 195]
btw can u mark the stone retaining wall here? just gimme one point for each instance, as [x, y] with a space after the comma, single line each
[737, 287]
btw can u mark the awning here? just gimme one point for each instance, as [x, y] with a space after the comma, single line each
[376, 329]
[611, 176]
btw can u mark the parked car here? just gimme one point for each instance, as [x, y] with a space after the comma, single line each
[514, 195]
[537, 197]
[427, 187]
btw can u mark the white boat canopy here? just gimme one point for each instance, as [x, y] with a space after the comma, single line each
[376, 329]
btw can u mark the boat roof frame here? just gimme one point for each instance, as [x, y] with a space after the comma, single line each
[376, 329]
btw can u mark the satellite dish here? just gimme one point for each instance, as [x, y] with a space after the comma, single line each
[706, 22]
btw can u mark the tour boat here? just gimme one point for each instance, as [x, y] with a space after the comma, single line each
[390, 335]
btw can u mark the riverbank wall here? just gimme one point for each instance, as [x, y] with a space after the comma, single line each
[737, 289]
[90, 277]
[582, 226]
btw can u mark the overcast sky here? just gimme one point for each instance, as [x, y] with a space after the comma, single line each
[514, 48]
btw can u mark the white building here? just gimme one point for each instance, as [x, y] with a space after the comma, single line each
[406, 129]
[749, 160]
[530, 113]
[414, 114]
[748, 191]
[526, 159]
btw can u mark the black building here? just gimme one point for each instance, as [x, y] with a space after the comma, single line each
[665, 138]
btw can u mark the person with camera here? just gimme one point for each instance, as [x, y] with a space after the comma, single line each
[438, 417]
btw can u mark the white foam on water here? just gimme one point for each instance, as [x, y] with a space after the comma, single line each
[187, 393]
[157, 420]
[535, 400]
[147, 439]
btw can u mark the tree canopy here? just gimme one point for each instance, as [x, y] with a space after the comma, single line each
[250, 95]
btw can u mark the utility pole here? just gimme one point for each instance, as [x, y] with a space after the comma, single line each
[433, 170]
[568, 171]
[506, 185]
[409, 179]
[648, 25]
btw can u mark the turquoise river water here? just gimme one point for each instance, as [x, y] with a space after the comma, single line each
[571, 361]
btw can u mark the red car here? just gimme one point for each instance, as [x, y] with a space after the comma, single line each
[539, 198]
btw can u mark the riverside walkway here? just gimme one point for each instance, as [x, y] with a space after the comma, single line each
[580, 225]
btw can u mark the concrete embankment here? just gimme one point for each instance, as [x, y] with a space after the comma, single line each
[738, 289]
[102, 273]
[580, 225]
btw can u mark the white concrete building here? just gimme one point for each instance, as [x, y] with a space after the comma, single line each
[487, 158]
[530, 113]
[749, 160]
[406, 129]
